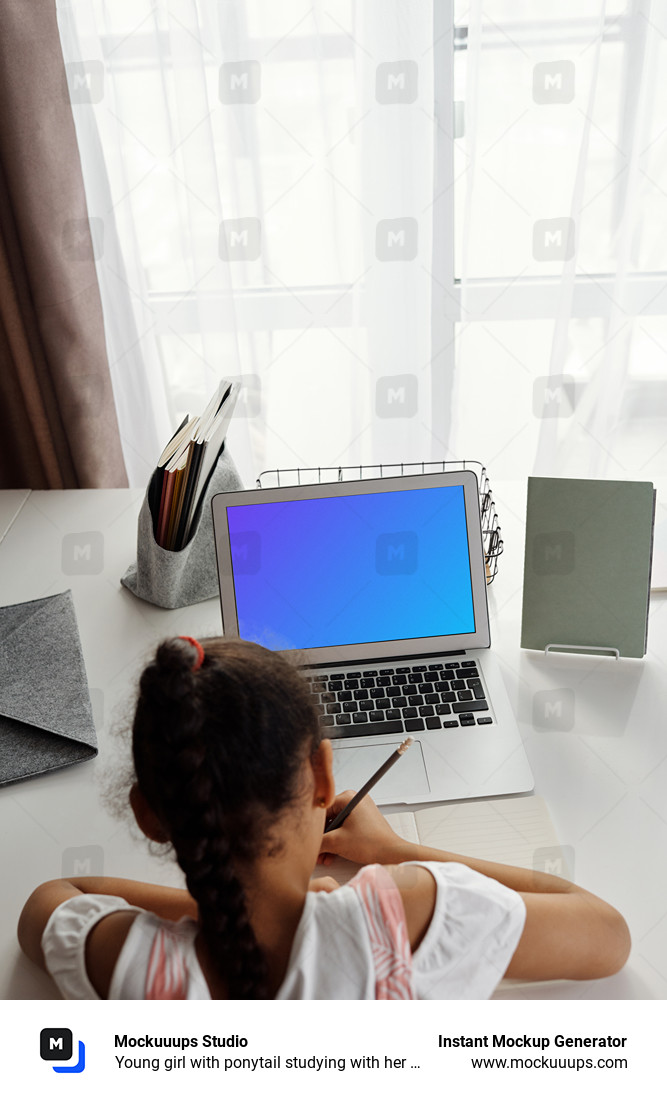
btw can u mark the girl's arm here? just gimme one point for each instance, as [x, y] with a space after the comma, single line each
[569, 932]
[107, 937]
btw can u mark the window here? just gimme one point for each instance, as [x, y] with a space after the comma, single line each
[554, 295]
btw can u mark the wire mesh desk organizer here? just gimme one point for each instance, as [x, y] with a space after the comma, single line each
[319, 475]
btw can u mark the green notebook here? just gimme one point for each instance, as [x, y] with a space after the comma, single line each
[587, 568]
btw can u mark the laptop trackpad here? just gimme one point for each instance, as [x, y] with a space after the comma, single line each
[354, 766]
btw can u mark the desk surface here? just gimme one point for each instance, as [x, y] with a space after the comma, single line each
[596, 740]
[11, 502]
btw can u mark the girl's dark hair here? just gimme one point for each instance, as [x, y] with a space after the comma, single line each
[218, 754]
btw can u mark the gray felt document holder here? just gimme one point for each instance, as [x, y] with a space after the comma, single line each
[46, 720]
[178, 578]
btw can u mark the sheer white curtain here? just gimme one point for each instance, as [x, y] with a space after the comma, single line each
[561, 178]
[261, 178]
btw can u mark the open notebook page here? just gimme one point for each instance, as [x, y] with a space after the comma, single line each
[505, 830]
[517, 831]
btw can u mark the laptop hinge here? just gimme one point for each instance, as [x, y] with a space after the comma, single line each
[401, 659]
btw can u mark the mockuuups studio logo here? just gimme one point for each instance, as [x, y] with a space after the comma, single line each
[240, 239]
[396, 553]
[554, 710]
[88, 859]
[85, 397]
[55, 1045]
[553, 82]
[82, 553]
[249, 401]
[396, 82]
[553, 396]
[553, 552]
[97, 705]
[85, 81]
[553, 239]
[240, 82]
[396, 396]
[555, 861]
[83, 239]
[396, 239]
[247, 552]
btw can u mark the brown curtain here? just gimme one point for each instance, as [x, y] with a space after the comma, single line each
[58, 424]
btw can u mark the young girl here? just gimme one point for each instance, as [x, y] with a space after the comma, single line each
[232, 770]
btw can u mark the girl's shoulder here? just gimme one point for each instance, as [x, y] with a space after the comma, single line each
[98, 946]
[159, 962]
[78, 933]
[354, 942]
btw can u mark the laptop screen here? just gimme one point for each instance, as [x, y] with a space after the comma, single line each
[344, 570]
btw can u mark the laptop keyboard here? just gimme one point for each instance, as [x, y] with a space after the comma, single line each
[404, 699]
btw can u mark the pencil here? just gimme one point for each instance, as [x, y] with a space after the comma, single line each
[338, 820]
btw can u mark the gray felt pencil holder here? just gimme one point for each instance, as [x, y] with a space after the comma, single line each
[178, 578]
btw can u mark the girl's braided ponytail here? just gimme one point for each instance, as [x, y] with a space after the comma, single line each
[217, 752]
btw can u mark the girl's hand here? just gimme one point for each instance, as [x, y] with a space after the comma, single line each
[365, 836]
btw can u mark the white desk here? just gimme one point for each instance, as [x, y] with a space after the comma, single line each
[11, 502]
[604, 779]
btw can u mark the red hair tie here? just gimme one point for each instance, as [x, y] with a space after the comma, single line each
[198, 646]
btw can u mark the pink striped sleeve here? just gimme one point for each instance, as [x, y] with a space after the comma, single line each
[167, 975]
[382, 907]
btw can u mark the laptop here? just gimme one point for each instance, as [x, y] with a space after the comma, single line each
[379, 589]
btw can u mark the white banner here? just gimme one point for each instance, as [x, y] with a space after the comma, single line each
[301, 1049]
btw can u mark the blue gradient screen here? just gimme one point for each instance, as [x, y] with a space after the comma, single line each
[351, 569]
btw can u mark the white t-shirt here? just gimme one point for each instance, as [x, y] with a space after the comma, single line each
[350, 944]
